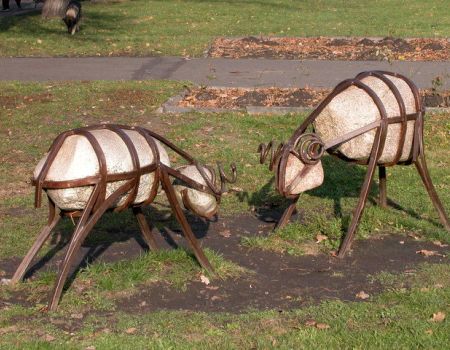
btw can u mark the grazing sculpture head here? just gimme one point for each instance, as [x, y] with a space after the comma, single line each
[202, 203]
[297, 164]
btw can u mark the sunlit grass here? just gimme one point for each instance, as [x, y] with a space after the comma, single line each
[176, 27]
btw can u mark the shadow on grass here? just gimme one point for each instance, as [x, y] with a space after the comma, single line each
[115, 228]
[342, 180]
[26, 20]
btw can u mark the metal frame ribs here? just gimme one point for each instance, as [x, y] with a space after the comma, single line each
[309, 149]
[98, 203]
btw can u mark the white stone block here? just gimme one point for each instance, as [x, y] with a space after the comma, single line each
[353, 108]
[76, 159]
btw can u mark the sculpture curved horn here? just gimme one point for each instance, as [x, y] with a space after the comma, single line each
[224, 178]
[309, 148]
[216, 188]
[275, 154]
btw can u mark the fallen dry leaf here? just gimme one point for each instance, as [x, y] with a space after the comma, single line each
[48, 337]
[212, 287]
[429, 331]
[204, 279]
[440, 244]
[438, 317]
[414, 236]
[320, 238]
[76, 316]
[310, 323]
[225, 233]
[362, 295]
[322, 326]
[428, 253]
[131, 330]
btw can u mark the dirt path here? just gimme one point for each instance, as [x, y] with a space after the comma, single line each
[276, 281]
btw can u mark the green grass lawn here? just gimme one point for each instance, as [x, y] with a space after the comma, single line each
[399, 318]
[32, 114]
[176, 27]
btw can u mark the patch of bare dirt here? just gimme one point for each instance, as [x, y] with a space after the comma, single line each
[323, 48]
[277, 281]
[238, 98]
[281, 281]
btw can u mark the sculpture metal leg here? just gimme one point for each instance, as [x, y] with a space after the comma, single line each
[84, 226]
[382, 186]
[181, 218]
[345, 246]
[53, 219]
[422, 168]
[145, 228]
[287, 214]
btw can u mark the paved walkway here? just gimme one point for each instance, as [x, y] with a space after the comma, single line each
[214, 71]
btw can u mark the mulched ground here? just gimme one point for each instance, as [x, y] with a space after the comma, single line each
[238, 98]
[322, 48]
[277, 281]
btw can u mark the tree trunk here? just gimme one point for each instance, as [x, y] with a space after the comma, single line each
[54, 8]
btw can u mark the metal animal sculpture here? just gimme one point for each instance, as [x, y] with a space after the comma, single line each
[375, 119]
[90, 170]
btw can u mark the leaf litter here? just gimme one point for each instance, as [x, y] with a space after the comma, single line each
[240, 98]
[326, 48]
